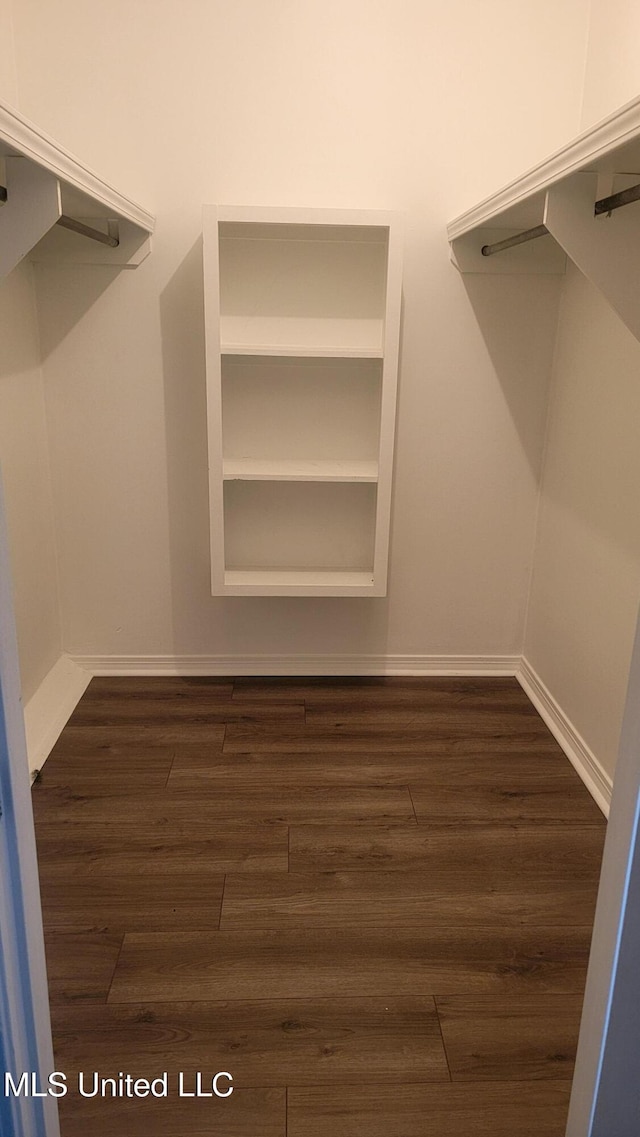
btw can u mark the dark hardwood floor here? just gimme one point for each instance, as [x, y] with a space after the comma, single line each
[369, 900]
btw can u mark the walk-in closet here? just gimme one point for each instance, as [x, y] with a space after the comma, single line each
[319, 568]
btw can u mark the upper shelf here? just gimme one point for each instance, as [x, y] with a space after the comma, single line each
[567, 199]
[302, 336]
[611, 147]
[45, 183]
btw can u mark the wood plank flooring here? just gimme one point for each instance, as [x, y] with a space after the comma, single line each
[369, 900]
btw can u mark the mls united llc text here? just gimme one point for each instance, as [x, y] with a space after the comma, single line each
[93, 1085]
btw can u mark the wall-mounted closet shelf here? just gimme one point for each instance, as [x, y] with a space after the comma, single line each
[302, 316]
[561, 195]
[340, 339]
[310, 582]
[46, 185]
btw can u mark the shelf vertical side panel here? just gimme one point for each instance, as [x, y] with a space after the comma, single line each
[32, 208]
[604, 248]
[388, 405]
[211, 267]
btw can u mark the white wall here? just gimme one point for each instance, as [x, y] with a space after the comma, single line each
[586, 579]
[24, 461]
[417, 106]
[8, 76]
[612, 75]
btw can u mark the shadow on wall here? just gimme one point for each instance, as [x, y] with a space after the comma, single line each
[592, 470]
[71, 290]
[22, 347]
[518, 317]
[237, 626]
[538, 325]
[18, 345]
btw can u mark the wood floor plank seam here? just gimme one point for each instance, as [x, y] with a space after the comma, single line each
[479, 1084]
[267, 1000]
[394, 993]
[423, 925]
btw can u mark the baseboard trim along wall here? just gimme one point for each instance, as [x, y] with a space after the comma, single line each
[592, 773]
[300, 664]
[55, 700]
[50, 708]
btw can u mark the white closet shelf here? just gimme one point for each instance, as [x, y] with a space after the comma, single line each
[45, 183]
[299, 470]
[608, 148]
[295, 351]
[582, 203]
[303, 337]
[299, 582]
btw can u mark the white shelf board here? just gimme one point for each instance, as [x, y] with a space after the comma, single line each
[280, 582]
[21, 138]
[297, 352]
[293, 336]
[82, 195]
[291, 350]
[612, 146]
[366, 221]
[298, 470]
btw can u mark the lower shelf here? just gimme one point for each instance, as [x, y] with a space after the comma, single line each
[299, 582]
[297, 470]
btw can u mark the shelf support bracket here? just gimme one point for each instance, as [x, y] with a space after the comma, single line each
[603, 248]
[32, 208]
[604, 205]
[77, 226]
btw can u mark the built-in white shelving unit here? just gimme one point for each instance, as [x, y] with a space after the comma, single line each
[45, 191]
[303, 316]
[560, 196]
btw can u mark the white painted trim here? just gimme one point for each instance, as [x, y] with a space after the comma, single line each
[604, 1095]
[620, 127]
[300, 664]
[23, 137]
[582, 758]
[49, 709]
[24, 999]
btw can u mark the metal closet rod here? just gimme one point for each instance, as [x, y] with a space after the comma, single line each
[605, 205]
[78, 227]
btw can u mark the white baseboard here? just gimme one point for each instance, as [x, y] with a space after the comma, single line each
[592, 773]
[49, 709]
[300, 664]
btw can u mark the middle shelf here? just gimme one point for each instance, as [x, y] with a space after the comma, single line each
[301, 410]
[298, 470]
[304, 337]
